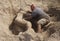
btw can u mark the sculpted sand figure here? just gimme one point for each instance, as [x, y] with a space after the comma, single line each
[19, 24]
